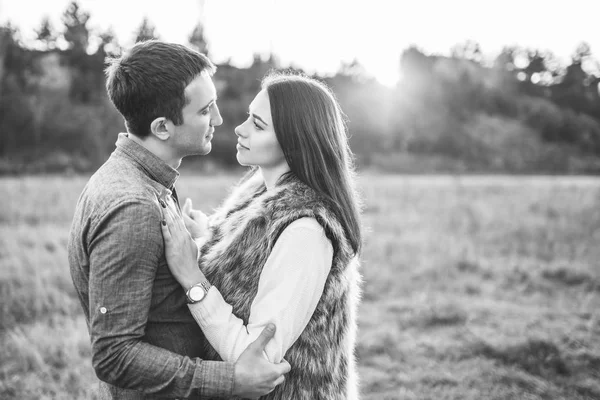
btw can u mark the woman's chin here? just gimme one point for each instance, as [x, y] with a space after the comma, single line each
[240, 160]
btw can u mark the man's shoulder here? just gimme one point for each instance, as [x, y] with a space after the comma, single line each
[115, 183]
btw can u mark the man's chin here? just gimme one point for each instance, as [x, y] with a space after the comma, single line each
[205, 150]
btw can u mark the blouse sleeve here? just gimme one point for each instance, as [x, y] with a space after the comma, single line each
[290, 286]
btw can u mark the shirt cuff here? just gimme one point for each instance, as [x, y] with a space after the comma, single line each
[212, 310]
[217, 379]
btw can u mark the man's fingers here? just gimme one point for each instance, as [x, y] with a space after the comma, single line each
[279, 380]
[264, 337]
[285, 366]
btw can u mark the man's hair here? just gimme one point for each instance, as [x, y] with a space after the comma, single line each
[310, 128]
[148, 81]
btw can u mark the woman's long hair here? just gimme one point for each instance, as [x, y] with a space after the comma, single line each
[310, 128]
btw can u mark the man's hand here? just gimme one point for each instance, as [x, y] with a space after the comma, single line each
[254, 375]
[196, 222]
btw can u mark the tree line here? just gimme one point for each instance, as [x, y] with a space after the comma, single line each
[522, 112]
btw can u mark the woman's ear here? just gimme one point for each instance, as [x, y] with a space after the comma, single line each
[160, 128]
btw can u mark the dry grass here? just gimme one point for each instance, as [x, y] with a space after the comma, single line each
[475, 288]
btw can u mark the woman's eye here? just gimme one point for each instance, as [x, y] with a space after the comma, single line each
[257, 127]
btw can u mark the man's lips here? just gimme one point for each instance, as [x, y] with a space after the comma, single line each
[241, 145]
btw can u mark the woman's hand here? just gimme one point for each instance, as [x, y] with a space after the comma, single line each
[196, 222]
[181, 251]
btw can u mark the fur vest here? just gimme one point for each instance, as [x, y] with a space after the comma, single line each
[244, 230]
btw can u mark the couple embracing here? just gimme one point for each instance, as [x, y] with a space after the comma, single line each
[256, 300]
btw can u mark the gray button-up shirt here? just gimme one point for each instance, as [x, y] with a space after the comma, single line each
[145, 343]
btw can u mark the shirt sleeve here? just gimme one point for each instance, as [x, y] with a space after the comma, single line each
[125, 249]
[290, 286]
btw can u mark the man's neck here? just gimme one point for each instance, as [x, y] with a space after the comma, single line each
[158, 149]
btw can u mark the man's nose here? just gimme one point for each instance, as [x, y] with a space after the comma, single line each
[217, 119]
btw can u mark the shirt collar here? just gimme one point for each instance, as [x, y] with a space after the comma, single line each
[156, 168]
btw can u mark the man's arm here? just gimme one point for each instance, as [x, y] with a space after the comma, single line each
[124, 252]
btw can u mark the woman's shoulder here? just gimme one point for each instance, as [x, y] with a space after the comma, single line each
[305, 224]
[306, 231]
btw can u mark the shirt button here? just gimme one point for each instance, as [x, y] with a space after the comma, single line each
[103, 310]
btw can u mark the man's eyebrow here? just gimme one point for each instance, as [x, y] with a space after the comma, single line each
[260, 119]
[209, 104]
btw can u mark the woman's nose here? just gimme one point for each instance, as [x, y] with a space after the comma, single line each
[238, 130]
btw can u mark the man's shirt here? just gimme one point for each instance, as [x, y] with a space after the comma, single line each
[143, 336]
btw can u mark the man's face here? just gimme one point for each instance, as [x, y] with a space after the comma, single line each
[200, 116]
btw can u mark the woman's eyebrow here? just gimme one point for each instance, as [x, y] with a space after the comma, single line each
[259, 118]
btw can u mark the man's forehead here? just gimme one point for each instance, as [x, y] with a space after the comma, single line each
[201, 80]
[202, 86]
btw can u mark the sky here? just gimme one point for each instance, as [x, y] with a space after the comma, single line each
[318, 35]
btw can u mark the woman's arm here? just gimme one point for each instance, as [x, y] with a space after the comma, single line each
[289, 288]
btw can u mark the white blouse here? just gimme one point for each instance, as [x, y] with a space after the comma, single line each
[290, 286]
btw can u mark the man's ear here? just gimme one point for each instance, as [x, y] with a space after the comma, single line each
[160, 128]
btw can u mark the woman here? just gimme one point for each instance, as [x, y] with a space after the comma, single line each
[283, 248]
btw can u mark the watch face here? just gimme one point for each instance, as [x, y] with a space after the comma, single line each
[196, 293]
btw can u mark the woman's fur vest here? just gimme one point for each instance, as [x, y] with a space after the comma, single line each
[244, 230]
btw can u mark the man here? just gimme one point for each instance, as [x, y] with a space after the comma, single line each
[145, 343]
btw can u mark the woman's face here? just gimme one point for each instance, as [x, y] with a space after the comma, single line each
[257, 143]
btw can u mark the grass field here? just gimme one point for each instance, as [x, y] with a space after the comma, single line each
[474, 288]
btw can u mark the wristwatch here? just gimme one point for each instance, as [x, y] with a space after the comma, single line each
[197, 292]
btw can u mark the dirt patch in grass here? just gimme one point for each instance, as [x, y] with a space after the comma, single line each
[572, 277]
[538, 357]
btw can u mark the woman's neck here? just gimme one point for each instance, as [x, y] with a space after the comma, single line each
[272, 174]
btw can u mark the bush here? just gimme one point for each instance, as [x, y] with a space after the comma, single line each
[560, 125]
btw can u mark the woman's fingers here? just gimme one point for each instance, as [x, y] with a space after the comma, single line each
[187, 206]
[175, 225]
[164, 223]
[172, 207]
[175, 222]
[179, 217]
[165, 229]
[171, 218]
